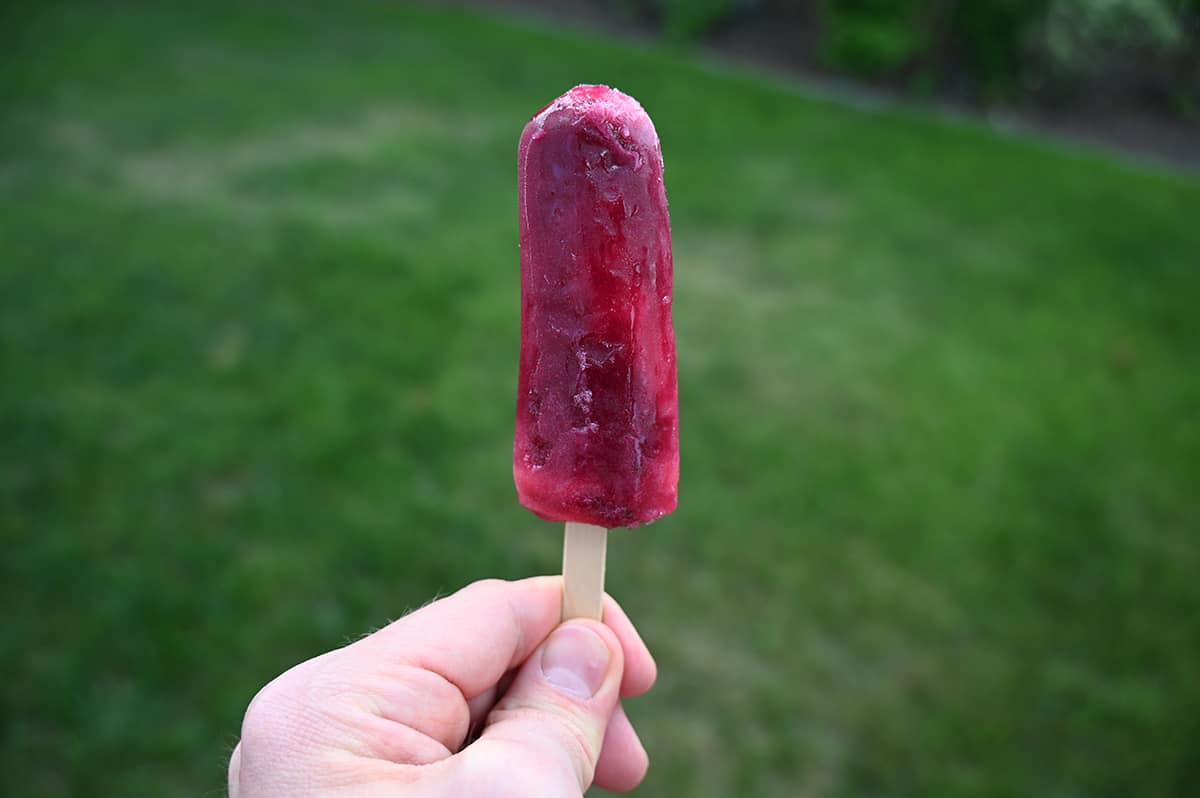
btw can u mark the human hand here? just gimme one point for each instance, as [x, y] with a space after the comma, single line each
[390, 714]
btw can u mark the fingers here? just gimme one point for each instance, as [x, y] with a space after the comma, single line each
[481, 705]
[640, 668]
[548, 730]
[472, 637]
[473, 642]
[623, 761]
[410, 692]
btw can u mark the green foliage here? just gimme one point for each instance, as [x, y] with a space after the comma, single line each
[874, 37]
[688, 20]
[990, 37]
[884, 37]
[992, 49]
[681, 21]
[258, 337]
[1000, 49]
[1083, 39]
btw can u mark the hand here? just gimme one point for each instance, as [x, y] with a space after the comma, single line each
[397, 713]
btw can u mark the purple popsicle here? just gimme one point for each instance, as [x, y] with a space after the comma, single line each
[597, 432]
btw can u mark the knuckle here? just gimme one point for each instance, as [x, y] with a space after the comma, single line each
[263, 714]
[277, 711]
[485, 587]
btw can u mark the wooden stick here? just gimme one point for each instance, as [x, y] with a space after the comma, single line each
[583, 571]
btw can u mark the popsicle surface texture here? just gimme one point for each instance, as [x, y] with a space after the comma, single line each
[597, 432]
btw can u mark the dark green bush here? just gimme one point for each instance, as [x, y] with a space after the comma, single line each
[680, 20]
[874, 37]
[988, 37]
[688, 20]
[1135, 45]
[984, 49]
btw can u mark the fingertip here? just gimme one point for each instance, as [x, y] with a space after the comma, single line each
[583, 657]
[619, 658]
[645, 676]
[623, 759]
[641, 670]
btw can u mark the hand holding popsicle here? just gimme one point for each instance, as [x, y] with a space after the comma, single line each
[596, 447]
[390, 714]
[597, 432]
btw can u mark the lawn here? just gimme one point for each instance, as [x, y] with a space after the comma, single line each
[939, 522]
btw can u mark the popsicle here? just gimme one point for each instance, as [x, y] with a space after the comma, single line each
[597, 432]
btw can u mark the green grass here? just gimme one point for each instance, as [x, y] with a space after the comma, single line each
[939, 529]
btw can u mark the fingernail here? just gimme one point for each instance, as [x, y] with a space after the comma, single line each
[575, 660]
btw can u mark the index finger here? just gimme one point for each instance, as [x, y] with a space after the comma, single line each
[473, 637]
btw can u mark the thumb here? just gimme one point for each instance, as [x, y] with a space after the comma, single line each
[544, 736]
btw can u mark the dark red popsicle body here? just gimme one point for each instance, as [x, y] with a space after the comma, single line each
[597, 401]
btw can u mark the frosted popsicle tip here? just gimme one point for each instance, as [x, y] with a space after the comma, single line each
[602, 106]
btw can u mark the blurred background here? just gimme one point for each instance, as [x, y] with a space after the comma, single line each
[939, 526]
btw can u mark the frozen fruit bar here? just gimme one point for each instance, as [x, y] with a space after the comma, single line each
[597, 433]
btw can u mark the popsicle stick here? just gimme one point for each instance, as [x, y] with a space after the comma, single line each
[583, 571]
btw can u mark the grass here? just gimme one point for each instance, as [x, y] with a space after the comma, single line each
[938, 530]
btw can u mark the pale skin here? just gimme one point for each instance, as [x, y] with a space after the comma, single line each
[412, 711]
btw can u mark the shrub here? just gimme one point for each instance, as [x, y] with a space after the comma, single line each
[1130, 44]
[984, 49]
[680, 20]
[984, 38]
[688, 20]
[989, 39]
[874, 37]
